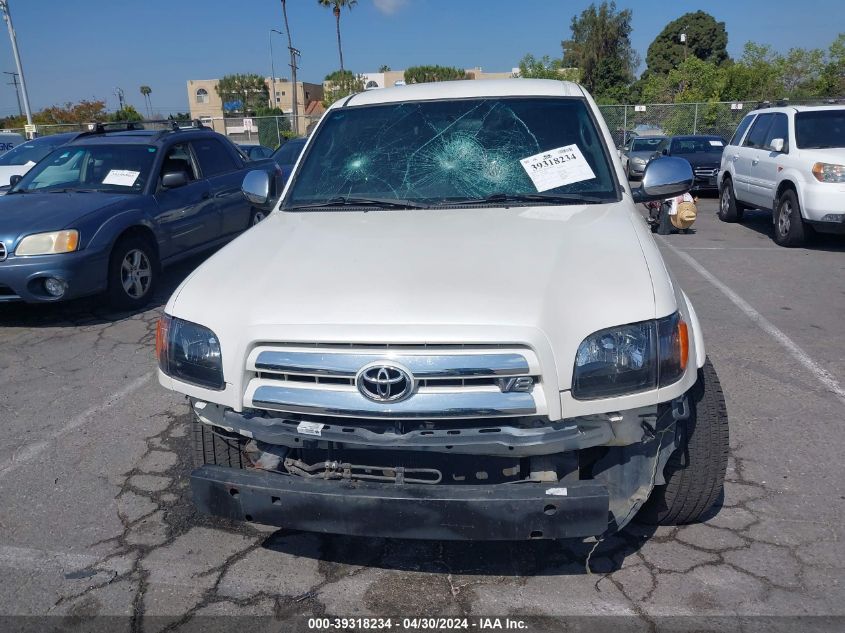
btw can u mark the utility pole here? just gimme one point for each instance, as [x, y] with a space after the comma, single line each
[293, 66]
[119, 94]
[4, 7]
[15, 83]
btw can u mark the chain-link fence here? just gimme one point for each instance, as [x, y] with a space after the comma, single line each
[718, 118]
[270, 131]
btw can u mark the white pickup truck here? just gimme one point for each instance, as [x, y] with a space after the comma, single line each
[454, 324]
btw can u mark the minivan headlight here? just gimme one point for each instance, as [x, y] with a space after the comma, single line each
[51, 243]
[189, 352]
[631, 358]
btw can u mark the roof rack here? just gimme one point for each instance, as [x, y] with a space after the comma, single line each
[174, 126]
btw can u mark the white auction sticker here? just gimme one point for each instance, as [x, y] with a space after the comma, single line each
[556, 492]
[310, 428]
[121, 177]
[717, 143]
[557, 167]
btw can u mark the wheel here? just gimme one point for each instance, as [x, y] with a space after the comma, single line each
[257, 216]
[729, 209]
[133, 273]
[789, 226]
[695, 472]
[212, 447]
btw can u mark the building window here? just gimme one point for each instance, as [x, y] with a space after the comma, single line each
[202, 95]
[371, 84]
[307, 96]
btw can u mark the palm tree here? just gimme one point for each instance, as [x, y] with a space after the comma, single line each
[336, 6]
[146, 90]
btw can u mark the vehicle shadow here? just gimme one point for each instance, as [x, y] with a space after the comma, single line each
[475, 558]
[94, 310]
[761, 222]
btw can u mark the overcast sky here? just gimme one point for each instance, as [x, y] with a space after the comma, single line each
[86, 48]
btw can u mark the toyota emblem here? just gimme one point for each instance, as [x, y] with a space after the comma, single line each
[385, 382]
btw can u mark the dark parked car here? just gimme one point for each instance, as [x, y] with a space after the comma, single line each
[107, 210]
[704, 154]
[636, 154]
[287, 155]
[256, 152]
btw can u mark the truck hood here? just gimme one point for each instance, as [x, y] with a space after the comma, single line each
[541, 276]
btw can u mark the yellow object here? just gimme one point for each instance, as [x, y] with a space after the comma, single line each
[685, 216]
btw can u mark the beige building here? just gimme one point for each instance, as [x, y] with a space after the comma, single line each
[205, 103]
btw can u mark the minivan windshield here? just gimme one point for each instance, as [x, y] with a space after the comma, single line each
[712, 145]
[820, 129]
[109, 168]
[493, 150]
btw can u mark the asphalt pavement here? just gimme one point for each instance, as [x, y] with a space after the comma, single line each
[96, 520]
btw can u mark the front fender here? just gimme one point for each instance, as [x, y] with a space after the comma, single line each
[110, 227]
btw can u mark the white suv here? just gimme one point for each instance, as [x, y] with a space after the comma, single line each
[790, 160]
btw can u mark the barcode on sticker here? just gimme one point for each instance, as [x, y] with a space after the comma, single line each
[556, 492]
[310, 428]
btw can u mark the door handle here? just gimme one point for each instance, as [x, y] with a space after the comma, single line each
[735, 157]
[755, 161]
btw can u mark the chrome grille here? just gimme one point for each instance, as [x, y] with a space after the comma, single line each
[706, 172]
[3, 252]
[450, 381]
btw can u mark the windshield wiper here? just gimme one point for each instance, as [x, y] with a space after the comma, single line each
[344, 201]
[545, 198]
[72, 190]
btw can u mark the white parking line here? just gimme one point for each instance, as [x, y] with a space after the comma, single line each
[822, 375]
[30, 451]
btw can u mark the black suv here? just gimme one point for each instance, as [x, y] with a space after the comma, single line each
[107, 210]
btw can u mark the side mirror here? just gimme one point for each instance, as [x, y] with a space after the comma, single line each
[776, 145]
[174, 179]
[13, 180]
[256, 188]
[663, 179]
[665, 151]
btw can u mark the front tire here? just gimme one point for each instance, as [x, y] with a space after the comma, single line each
[257, 216]
[790, 230]
[695, 472]
[729, 209]
[133, 273]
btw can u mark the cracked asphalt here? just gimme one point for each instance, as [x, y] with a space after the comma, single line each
[96, 518]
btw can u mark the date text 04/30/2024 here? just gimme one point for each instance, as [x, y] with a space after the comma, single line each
[415, 624]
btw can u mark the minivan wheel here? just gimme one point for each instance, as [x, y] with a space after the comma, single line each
[133, 273]
[729, 209]
[695, 472]
[789, 226]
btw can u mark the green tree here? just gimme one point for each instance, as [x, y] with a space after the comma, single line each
[340, 84]
[146, 91]
[706, 39]
[127, 113]
[545, 67]
[600, 48]
[336, 6]
[384, 68]
[242, 93]
[801, 71]
[426, 74]
[832, 80]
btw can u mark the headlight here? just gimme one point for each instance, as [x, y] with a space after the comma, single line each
[638, 161]
[49, 243]
[189, 352]
[826, 172]
[631, 358]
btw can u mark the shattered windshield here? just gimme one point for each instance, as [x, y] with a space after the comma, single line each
[437, 153]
